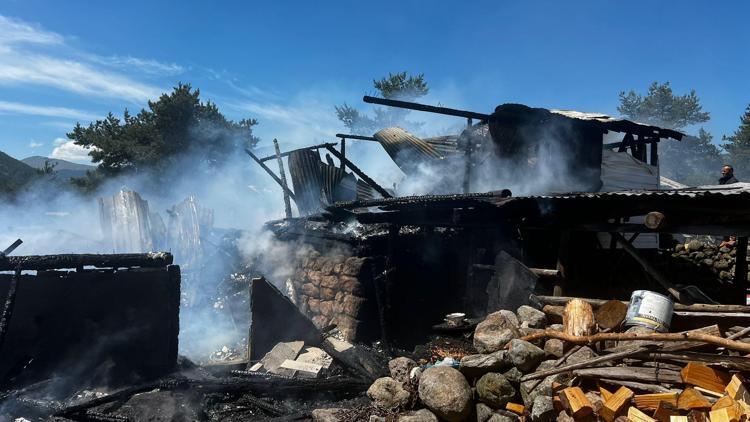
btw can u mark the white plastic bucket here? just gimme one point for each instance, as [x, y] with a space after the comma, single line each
[649, 309]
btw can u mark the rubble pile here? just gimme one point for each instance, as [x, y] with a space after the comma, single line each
[719, 259]
[596, 365]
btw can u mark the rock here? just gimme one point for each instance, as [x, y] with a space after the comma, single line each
[327, 294]
[400, 368]
[310, 290]
[533, 388]
[543, 409]
[554, 348]
[725, 275]
[513, 375]
[524, 355]
[422, 415]
[533, 317]
[327, 267]
[494, 390]
[376, 418]
[314, 305]
[326, 307]
[694, 245]
[388, 393]
[329, 281]
[494, 332]
[596, 401]
[320, 321]
[350, 305]
[484, 412]
[347, 326]
[351, 285]
[446, 393]
[352, 266]
[473, 366]
[564, 417]
[503, 416]
[326, 415]
[510, 317]
[556, 327]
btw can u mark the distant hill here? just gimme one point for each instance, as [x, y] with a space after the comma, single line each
[64, 169]
[14, 173]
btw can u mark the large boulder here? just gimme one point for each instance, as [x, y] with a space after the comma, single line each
[473, 366]
[446, 393]
[554, 348]
[400, 368]
[584, 354]
[524, 355]
[494, 332]
[531, 317]
[388, 393]
[495, 390]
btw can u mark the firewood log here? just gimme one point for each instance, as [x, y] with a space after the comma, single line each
[578, 319]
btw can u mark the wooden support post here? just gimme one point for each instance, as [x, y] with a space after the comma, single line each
[343, 151]
[740, 270]
[562, 263]
[655, 152]
[468, 157]
[287, 203]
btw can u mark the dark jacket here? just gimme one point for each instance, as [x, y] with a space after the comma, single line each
[728, 180]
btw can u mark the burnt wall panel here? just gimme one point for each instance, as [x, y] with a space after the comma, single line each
[97, 326]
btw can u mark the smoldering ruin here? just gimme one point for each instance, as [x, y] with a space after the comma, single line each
[532, 266]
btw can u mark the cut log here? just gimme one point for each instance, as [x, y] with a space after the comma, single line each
[616, 404]
[652, 401]
[575, 402]
[737, 389]
[665, 411]
[723, 402]
[677, 418]
[691, 399]
[703, 376]
[635, 415]
[578, 319]
[606, 394]
[731, 413]
[654, 220]
[611, 314]
[516, 408]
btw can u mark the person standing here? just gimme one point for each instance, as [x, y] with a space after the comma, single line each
[727, 176]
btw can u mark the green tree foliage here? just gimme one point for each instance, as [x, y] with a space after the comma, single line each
[398, 86]
[695, 160]
[176, 126]
[738, 147]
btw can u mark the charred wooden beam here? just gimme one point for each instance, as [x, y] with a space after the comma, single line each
[740, 270]
[358, 137]
[282, 173]
[50, 262]
[8, 305]
[11, 248]
[428, 108]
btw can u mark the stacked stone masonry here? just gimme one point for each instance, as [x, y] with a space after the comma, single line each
[331, 290]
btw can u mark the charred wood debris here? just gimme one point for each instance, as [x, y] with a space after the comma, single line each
[456, 307]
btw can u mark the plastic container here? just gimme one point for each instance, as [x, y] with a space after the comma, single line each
[649, 309]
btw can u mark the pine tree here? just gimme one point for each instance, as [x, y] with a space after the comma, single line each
[738, 146]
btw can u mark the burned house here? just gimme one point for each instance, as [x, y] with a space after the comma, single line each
[595, 225]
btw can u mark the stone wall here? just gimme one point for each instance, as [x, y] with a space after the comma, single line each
[335, 289]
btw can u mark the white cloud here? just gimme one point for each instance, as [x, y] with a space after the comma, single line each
[14, 31]
[62, 112]
[66, 150]
[69, 70]
[35, 144]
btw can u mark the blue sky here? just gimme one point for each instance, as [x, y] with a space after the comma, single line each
[288, 63]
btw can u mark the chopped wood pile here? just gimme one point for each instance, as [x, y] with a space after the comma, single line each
[595, 366]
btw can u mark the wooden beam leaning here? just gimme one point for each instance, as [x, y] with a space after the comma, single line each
[287, 204]
[52, 262]
[360, 173]
[653, 271]
[271, 173]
